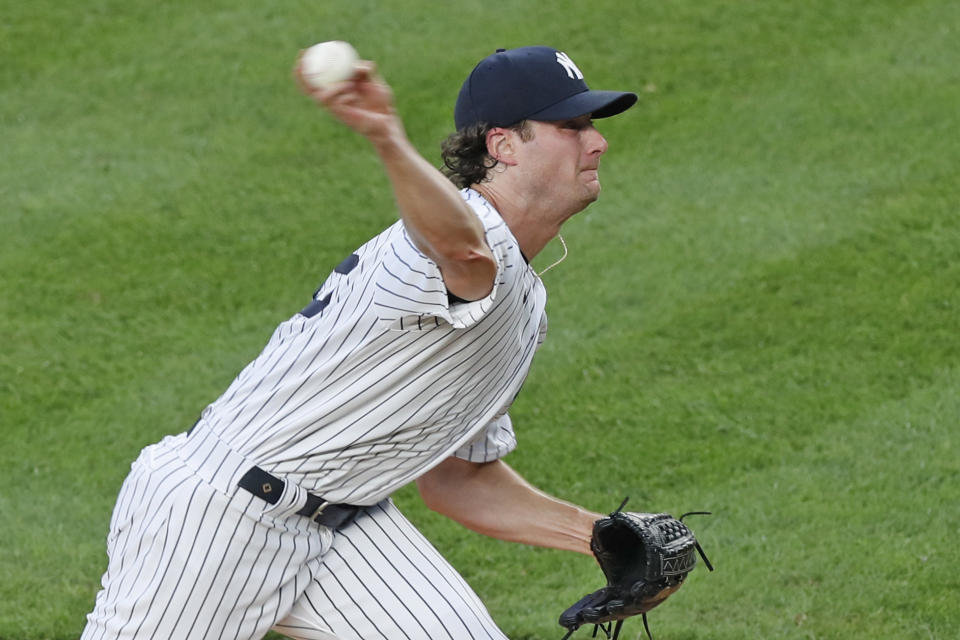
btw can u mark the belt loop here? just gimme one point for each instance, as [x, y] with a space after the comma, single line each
[269, 488]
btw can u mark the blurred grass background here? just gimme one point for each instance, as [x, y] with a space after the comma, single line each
[759, 317]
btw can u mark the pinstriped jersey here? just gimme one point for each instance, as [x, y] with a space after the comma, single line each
[382, 377]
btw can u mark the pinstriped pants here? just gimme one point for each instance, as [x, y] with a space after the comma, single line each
[191, 556]
[382, 580]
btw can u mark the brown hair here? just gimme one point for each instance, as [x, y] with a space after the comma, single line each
[464, 152]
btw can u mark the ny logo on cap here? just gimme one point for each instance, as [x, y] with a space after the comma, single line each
[572, 71]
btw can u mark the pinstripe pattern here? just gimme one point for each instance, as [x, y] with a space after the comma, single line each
[494, 442]
[190, 561]
[383, 580]
[388, 379]
[375, 382]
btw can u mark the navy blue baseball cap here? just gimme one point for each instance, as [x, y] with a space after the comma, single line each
[532, 83]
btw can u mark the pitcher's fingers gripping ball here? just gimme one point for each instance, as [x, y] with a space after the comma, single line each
[349, 88]
[645, 558]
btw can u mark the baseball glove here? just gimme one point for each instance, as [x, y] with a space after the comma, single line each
[645, 557]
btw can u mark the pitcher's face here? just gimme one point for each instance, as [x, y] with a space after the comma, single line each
[562, 161]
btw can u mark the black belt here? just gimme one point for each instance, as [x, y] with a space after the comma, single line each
[269, 487]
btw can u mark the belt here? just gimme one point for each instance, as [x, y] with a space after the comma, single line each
[269, 487]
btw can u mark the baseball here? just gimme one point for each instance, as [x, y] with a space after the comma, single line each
[326, 63]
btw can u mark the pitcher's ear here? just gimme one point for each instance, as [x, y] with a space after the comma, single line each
[501, 145]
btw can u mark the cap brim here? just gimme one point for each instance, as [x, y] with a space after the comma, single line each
[598, 104]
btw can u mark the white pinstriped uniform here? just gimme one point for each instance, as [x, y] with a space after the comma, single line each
[376, 382]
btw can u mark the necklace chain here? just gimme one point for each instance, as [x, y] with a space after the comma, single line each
[562, 258]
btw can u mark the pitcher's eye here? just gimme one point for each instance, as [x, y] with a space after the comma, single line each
[578, 123]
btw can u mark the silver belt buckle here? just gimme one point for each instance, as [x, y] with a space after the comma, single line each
[319, 510]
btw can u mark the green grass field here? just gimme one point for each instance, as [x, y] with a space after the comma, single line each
[760, 317]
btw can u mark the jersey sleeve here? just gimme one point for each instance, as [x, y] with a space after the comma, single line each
[410, 290]
[496, 440]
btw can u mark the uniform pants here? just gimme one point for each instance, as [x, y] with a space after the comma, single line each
[383, 580]
[191, 556]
